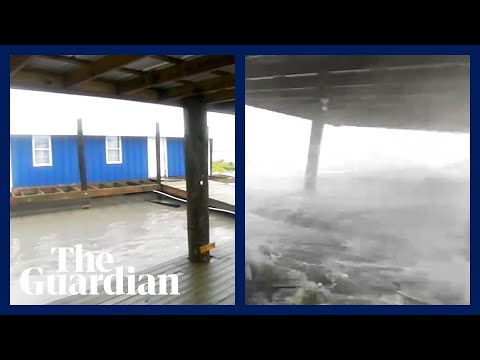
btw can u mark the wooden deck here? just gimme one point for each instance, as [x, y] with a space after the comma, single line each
[199, 284]
[29, 195]
[39, 199]
[222, 195]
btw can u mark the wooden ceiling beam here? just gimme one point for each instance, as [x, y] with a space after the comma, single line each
[218, 83]
[399, 90]
[363, 99]
[220, 72]
[18, 62]
[226, 107]
[83, 62]
[97, 68]
[220, 96]
[176, 72]
[167, 58]
[30, 80]
[406, 77]
[267, 66]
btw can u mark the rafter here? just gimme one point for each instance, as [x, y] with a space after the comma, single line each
[84, 77]
[220, 72]
[83, 62]
[176, 72]
[218, 83]
[18, 62]
[167, 58]
[220, 96]
[32, 80]
[428, 77]
[267, 66]
[98, 68]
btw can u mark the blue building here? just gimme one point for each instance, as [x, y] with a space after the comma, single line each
[42, 160]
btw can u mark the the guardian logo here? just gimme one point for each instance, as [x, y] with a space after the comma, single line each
[90, 272]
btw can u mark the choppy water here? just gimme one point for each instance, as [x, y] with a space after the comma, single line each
[139, 234]
[366, 240]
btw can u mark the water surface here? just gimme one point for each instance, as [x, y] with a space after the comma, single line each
[138, 234]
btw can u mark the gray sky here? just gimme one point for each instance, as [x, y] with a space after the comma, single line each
[276, 142]
[34, 112]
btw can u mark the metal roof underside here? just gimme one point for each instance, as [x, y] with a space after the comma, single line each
[389, 91]
[162, 79]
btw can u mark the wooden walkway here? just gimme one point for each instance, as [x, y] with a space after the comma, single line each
[26, 201]
[198, 284]
[222, 195]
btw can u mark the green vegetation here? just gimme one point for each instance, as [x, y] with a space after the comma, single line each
[220, 166]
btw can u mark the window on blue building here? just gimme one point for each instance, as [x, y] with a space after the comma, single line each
[42, 150]
[114, 149]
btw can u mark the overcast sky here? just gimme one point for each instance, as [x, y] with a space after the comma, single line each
[34, 112]
[278, 143]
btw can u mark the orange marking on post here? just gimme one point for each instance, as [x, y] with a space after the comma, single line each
[206, 248]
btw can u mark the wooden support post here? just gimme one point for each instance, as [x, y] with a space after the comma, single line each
[81, 156]
[157, 153]
[313, 155]
[196, 169]
[209, 151]
[211, 156]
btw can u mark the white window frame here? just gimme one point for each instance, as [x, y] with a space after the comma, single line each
[50, 163]
[119, 148]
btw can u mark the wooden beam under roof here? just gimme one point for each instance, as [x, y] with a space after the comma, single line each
[286, 101]
[220, 96]
[218, 83]
[32, 80]
[458, 87]
[18, 62]
[98, 68]
[220, 72]
[293, 65]
[226, 107]
[179, 71]
[409, 77]
[167, 58]
[83, 62]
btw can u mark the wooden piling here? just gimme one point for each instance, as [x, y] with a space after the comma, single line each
[157, 153]
[81, 156]
[313, 155]
[196, 169]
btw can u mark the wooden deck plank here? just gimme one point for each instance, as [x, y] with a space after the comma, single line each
[221, 195]
[102, 297]
[198, 283]
[188, 282]
[129, 299]
[217, 190]
[190, 286]
[207, 297]
[224, 292]
[182, 271]
[229, 300]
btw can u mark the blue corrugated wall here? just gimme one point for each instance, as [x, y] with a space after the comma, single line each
[65, 161]
[134, 160]
[64, 169]
[176, 157]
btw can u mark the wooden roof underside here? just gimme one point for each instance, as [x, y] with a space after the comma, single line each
[401, 91]
[162, 79]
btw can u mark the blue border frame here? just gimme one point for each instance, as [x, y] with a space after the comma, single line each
[239, 51]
